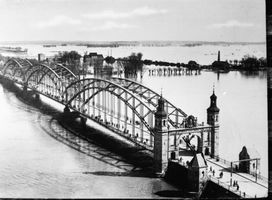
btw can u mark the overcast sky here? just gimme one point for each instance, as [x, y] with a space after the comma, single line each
[107, 20]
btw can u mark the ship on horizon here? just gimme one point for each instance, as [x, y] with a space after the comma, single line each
[13, 49]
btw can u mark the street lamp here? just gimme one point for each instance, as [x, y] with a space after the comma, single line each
[231, 174]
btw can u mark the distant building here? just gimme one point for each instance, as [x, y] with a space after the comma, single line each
[98, 63]
[93, 62]
[220, 65]
[41, 57]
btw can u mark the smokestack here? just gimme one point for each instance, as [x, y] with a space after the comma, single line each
[218, 56]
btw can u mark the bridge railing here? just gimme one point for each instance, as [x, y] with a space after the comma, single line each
[228, 163]
[228, 187]
[252, 179]
[258, 176]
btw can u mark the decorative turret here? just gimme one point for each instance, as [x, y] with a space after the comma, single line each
[213, 111]
[213, 120]
[160, 138]
[197, 172]
[160, 115]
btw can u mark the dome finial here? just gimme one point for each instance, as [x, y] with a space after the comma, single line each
[161, 92]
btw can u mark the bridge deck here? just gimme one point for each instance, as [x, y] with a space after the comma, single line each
[246, 182]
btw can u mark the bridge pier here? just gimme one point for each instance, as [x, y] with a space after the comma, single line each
[83, 121]
[37, 97]
[66, 109]
[25, 88]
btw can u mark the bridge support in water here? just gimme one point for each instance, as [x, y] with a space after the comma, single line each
[74, 115]
[37, 97]
[83, 121]
[66, 109]
[25, 88]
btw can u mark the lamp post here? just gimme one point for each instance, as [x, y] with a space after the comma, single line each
[256, 170]
[231, 174]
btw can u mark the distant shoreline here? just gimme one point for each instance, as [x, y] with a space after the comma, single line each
[147, 43]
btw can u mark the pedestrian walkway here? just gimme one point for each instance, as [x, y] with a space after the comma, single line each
[247, 187]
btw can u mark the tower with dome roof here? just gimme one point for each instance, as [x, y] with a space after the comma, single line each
[160, 137]
[213, 120]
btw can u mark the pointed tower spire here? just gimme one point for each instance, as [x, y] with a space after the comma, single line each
[213, 106]
[213, 88]
[161, 92]
[161, 137]
[213, 121]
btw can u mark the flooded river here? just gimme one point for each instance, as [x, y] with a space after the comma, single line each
[34, 164]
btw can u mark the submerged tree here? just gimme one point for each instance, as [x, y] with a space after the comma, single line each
[250, 62]
[110, 60]
[133, 63]
[263, 62]
[70, 59]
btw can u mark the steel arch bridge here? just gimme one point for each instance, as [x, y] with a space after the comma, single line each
[175, 115]
[50, 79]
[121, 105]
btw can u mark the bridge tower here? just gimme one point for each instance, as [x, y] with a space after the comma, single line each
[160, 138]
[212, 119]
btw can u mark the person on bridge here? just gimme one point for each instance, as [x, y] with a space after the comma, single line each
[237, 186]
[213, 172]
[221, 174]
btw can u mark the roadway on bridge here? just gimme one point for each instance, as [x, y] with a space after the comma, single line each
[248, 187]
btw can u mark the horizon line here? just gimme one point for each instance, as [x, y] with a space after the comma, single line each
[86, 41]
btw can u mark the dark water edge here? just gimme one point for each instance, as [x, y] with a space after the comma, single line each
[131, 154]
[142, 160]
[214, 191]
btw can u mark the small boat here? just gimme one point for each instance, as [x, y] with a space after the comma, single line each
[13, 49]
[49, 45]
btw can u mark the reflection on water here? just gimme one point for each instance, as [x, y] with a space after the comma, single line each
[37, 165]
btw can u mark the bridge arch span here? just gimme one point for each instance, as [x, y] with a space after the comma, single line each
[12, 63]
[68, 71]
[175, 115]
[97, 87]
[41, 68]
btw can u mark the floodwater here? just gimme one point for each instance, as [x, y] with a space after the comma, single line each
[34, 164]
[204, 54]
[241, 98]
